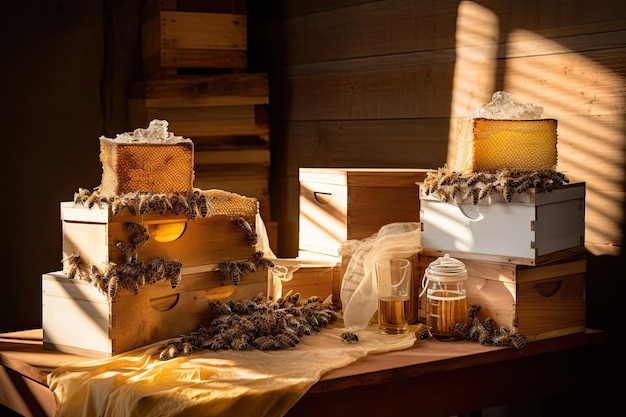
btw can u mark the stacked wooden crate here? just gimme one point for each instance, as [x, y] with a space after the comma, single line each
[195, 62]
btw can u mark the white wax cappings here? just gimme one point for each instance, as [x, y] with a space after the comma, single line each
[156, 132]
[503, 107]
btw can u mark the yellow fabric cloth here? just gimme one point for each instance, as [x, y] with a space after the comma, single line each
[207, 383]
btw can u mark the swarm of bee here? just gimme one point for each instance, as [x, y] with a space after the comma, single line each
[487, 332]
[131, 276]
[134, 273]
[236, 269]
[193, 205]
[256, 323]
[452, 186]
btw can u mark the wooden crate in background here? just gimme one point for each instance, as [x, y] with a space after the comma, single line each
[195, 58]
[191, 35]
[226, 116]
[339, 204]
[151, 7]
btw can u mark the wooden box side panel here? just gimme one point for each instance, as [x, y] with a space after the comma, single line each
[552, 307]
[202, 242]
[370, 208]
[89, 240]
[308, 281]
[336, 208]
[496, 298]
[80, 319]
[163, 313]
[478, 230]
[323, 217]
[75, 315]
[560, 225]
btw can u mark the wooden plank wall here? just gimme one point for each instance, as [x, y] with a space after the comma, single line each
[356, 83]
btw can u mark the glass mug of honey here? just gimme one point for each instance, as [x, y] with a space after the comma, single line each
[393, 280]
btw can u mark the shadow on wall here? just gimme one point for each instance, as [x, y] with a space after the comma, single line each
[58, 97]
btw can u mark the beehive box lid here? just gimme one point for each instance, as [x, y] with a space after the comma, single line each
[371, 177]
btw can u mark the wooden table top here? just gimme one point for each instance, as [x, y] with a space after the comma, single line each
[23, 352]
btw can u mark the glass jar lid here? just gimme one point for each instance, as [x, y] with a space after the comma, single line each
[446, 269]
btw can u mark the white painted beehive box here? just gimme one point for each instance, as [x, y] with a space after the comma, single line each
[535, 227]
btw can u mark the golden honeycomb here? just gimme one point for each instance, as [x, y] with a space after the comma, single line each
[487, 145]
[146, 167]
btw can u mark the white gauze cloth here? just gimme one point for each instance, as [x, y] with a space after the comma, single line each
[359, 293]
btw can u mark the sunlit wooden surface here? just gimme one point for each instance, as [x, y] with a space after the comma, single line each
[430, 367]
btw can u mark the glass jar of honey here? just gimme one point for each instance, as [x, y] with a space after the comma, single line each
[446, 299]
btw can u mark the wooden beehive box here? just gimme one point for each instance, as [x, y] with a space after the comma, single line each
[338, 204]
[536, 227]
[93, 234]
[174, 39]
[538, 302]
[78, 318]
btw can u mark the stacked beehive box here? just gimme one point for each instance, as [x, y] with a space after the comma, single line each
[525, 258]
[79, 316]
[514, 220]
[195, 62]
[145, 252]
[538, 302]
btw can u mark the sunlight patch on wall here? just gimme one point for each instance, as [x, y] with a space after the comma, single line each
[584, 97]
[573, 87]
[477, 38]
